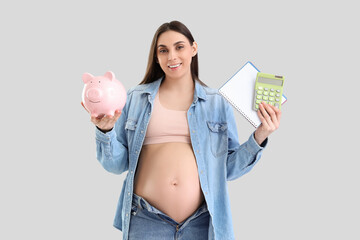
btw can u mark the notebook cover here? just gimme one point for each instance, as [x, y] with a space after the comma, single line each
[239, 91]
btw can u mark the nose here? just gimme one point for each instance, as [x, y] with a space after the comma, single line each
[94, 94]
[172, 55]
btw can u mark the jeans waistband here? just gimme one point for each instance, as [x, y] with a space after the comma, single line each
[139, 201]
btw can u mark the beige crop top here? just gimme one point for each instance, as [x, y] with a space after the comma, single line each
[167, 125]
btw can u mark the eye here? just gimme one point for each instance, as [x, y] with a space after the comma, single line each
[162, 51]
[180, 47]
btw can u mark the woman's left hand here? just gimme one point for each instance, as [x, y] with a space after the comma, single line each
[270, 120]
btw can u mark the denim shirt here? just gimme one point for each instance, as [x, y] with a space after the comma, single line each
[214, 140]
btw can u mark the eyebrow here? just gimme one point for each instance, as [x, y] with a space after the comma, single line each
[162, 45]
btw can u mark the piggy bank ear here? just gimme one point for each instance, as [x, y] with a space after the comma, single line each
[110, 75]
[87, 77]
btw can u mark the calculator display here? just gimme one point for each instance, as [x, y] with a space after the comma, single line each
[270, 81]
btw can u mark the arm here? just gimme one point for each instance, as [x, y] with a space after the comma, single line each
[242, 158]
[111, 147]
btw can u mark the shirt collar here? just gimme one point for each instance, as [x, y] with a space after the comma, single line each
[152, 89]
[199, 91]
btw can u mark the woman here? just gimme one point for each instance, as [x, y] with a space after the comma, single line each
[177, 139]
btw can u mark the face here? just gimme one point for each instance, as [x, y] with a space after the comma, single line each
[174, 54]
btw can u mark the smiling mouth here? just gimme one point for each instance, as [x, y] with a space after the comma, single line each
[94, 101]
[174, 66]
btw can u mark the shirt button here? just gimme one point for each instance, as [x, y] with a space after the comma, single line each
[142, 131]
[132, 172]
[128, 193]
[205, 193]
[127, 214]
[193, 131]
[197, 151]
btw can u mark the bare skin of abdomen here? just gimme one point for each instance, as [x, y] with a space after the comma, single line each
[167, 177]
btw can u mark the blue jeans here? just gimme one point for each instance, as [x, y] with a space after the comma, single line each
[148, 223]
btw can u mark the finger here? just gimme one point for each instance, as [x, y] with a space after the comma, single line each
[108, 122]
[276, 110]
[269, 109]
[98, 119]
[95, 120]
[278, 115]
[265, 114]
[117, 114]
[262, 119]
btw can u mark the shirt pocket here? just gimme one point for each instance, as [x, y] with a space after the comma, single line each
[130, 127]
[218, 138]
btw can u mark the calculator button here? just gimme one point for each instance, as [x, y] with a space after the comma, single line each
[278, 95]
[265, 97]
[266, 93]
[272, 94]
[277, 99]
[258, 101]
[277, 105]
[257, 106]
[259, 92]
[271, 103]
[271, 98]
[278, 90]
[258, 97]
[266, 89]
[260, 88]
[272, 90]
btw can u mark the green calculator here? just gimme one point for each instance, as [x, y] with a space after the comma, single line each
[269, 89]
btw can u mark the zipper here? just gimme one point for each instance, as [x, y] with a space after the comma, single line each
[177, 229]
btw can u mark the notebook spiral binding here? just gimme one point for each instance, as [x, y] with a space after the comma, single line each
[233, 104]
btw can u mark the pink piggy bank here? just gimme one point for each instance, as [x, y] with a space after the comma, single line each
[102, 95]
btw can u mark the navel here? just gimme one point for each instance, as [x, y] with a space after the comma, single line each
[174, 182]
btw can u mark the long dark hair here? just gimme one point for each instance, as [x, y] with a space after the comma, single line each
[153, 70]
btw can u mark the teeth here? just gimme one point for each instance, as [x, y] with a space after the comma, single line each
[174, 66]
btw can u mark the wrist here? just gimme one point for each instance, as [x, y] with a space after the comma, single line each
[259, 138]
[103, 130]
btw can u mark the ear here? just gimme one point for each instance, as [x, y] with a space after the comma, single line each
[86, 77]
[195, 48]
[110, 75]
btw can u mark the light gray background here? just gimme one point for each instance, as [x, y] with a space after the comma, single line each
[306, 186]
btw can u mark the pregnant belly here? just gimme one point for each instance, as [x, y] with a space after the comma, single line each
[167, 177]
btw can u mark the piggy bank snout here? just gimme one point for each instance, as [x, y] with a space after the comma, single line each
[94, 94]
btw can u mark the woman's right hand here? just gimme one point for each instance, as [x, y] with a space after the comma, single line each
[105, 122]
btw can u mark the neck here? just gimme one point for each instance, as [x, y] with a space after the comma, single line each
[179, 85]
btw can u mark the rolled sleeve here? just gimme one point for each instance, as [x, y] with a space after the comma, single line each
[104, 137]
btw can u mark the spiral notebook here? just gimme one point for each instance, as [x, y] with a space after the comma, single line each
[239, 91]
